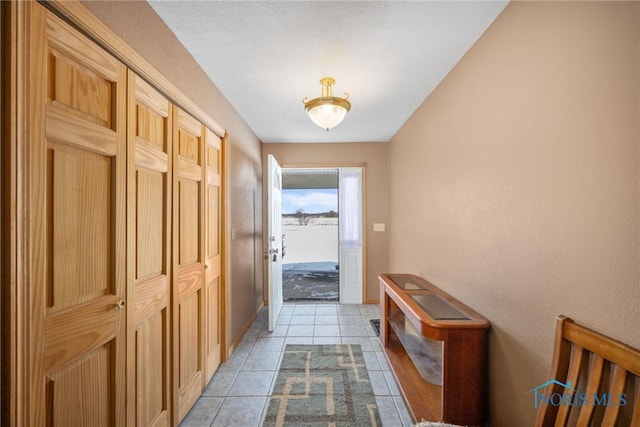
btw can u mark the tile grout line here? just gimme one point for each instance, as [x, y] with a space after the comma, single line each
[257, 337]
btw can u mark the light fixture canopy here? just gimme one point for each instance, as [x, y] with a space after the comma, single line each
[327, 111]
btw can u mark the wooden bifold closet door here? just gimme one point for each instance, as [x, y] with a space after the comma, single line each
[188, 261]
[196, 258]
[119, 279]
[149, 255]
[213, 252]
[76, 208]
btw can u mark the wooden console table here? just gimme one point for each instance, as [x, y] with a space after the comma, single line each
[436, 347]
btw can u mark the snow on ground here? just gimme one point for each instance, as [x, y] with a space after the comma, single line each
[315, 242]
[311, 259]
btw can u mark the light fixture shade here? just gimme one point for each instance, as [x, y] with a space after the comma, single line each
[327, 111]
[327, 115]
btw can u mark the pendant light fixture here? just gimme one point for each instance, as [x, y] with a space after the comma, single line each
[327, 111]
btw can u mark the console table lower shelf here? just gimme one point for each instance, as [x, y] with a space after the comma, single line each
[423, 398]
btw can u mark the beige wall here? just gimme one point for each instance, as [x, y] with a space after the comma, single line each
[515, 186]
[375, 157]
[141, 28]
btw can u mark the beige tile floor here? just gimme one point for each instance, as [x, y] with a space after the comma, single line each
[238, 394]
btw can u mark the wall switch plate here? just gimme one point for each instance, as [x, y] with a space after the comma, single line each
[378, 226]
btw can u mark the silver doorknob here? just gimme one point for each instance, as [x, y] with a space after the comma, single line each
[121, 304]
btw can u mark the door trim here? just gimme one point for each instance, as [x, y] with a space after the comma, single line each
[16, 17]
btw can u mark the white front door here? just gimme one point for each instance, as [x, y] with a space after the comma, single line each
[274, 245]
[351, 221]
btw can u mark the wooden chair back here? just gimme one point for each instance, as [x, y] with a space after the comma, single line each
[594, 380]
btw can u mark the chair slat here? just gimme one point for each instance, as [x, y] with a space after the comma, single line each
[559, 365]
[577, 358]
[593, 384]
[635, 421]
[617, 387]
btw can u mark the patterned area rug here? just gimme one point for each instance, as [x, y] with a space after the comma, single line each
[322, 385]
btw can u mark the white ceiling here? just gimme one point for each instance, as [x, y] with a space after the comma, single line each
[265, 56]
